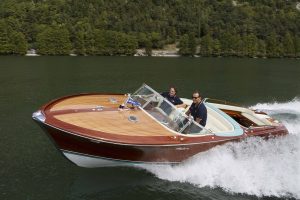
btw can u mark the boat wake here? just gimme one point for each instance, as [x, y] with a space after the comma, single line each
[288, 113]
[254, 166]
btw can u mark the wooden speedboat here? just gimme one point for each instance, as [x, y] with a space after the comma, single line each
[95, 130]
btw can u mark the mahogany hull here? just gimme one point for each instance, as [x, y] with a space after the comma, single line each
[90, 152]
[90, 135]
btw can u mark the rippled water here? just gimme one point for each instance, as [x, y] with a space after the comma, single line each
[32, 169]
[254, 167]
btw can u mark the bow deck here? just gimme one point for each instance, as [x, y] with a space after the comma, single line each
[101, 113]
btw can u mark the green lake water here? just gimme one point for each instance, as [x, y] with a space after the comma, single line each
[32, 169]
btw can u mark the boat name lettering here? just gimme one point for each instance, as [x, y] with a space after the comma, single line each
[182, 148]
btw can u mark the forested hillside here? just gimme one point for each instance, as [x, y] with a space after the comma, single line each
[254, 28]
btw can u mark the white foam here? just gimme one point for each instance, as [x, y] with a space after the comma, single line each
[254, 166]
[292, 107]
[282, 111]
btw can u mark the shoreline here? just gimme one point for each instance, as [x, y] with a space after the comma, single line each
[157, 56]
[158, 53]
[155, 53]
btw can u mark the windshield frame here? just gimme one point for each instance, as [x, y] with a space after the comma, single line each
[165, 113]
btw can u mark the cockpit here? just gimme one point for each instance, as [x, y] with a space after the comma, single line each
[159, 108]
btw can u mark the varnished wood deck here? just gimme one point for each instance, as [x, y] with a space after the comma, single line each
[110, 120]
[88, 101]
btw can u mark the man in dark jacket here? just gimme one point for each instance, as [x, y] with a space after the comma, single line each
[198, 109]
[171, 96]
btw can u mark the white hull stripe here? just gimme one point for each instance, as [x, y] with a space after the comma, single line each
[85, 160]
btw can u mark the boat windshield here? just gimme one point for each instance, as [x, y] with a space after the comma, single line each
[165, 112]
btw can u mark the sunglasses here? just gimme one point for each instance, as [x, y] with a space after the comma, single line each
[195, 97]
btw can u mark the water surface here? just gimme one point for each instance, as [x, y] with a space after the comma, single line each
[31, 168]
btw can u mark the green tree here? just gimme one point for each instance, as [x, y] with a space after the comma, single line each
[127, 44]
[142, 40]
[161, 22]
[207, 45]
[297, 46]
[273, 46]
[54, 40]
[148, 48]
[192, 43]
[89, 42]
[131, 45]
[261, 52]
[216, 47]
[18, 43]
[5, 46]
[184, 45]
[79, 46]
[171, 35]
[11, 41]
[114, 43]
[228, 43]
[156, 40]
[240, 48]
[100, 43]
[288, 45]
[251, 45]
[187, 45]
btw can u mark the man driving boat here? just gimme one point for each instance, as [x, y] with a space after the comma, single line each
[198, 109]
